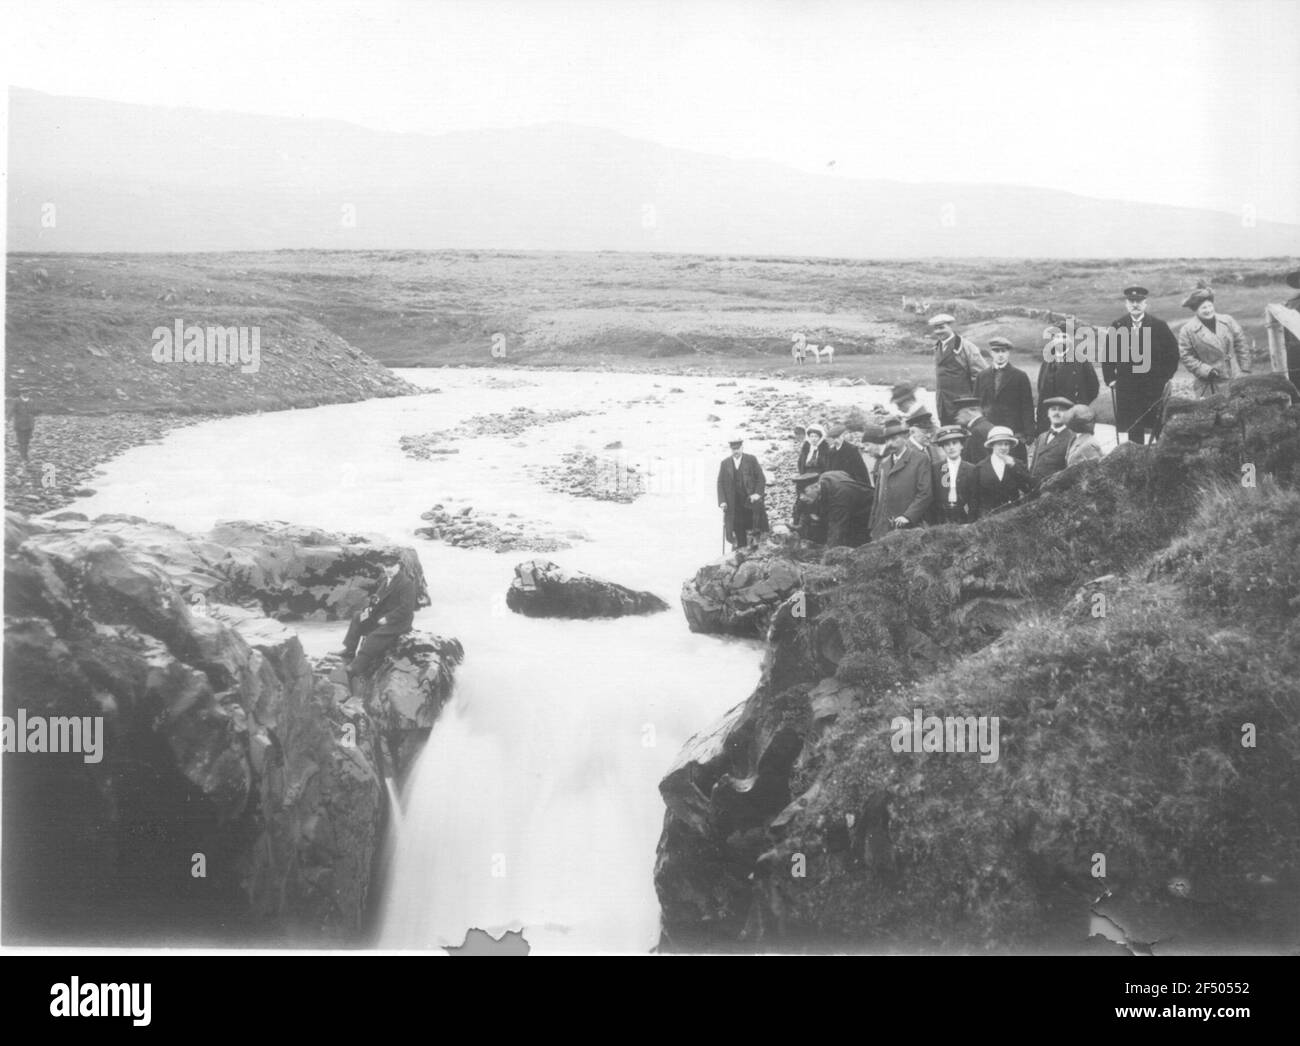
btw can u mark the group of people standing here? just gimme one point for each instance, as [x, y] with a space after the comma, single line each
[994, 441]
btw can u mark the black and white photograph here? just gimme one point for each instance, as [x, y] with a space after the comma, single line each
[653, 478]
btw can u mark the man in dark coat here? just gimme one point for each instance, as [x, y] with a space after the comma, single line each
[844, 456]
[23, 412]
[386, 616]
[956, 485]
[957, 362]
[904, 484]
[844, 504]
[1141, 355]
[1052, 447]
[1006, 397]
[741, 485]
[807, 520]
[1075, 379]
[972, 419]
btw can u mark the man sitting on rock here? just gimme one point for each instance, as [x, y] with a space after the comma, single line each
[388, 614]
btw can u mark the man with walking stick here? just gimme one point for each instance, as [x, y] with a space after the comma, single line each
[741, 485]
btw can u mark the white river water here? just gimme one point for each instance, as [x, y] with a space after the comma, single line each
[535, 805]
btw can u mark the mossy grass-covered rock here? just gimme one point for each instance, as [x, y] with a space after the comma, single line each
[1135, 630]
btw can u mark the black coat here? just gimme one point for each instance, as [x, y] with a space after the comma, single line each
[1013, 406]
[752, 481]
[817, 462]
[845, 506]
[967, 509]
[994, 492]
[394, 602]
[1136, 394]
[1077, 382]
[848, 458]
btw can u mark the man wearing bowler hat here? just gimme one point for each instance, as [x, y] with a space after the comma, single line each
[1141, 356]
[741, 485]
[904, 483]
[957, 362]
[972, 419]
[1052, 447]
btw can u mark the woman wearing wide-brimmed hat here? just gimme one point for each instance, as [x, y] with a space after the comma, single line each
[814, 454]
[1002, 479]
[1212, 346]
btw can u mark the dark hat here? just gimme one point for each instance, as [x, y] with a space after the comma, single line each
[921, 418]
[1136, 293]
[1000, 344]
[895, 427]
[902, 391]
[836, 429]
[1198, 297]
[1293, 279]
[1082, 419]
[949, 433]
[807, 477]
[1059, 401]
[965, 402]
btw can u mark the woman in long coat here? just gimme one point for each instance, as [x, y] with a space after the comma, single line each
[1213, 349]
[1002, 479]
[814, 454]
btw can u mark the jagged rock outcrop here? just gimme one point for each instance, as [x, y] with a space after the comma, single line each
[236, 794]
[801, 822]
[738, 596]
[543, 589]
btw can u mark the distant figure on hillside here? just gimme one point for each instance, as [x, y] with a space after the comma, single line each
[23, 412]
[1074, 379]
[845, 506]
[741, 486]
[957, 363]
[814, 455]
[845, 456]
[388, 614]
[1139, 340]
[904, 484]
[797, 348]
[1212, 346]
[1006, 397]
[1002, 479]
[956, 481]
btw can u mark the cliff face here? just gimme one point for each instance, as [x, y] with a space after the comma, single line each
[1134, 632]
[235, 795]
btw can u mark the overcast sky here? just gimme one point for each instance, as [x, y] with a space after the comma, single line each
[1194, 103]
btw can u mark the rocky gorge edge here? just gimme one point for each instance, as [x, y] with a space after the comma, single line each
[794, 824]
[238, 793]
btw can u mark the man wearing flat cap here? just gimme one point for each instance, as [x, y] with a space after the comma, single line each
[741, 485]
[845, 456]
[1212, 346]
[1052, 448]
[957, 363]
[1141, 356]
[904, 484]
[1006, 397]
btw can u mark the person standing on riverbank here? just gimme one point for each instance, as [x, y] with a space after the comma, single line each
[1075, 379]
[846, 456]
[814, 455]
[957, 363]
[23, 412]
[387, 615]
[1141, 357]
[956, 484]
[1212, 346]
[1006, 397]
[972, 419]
[741, 486]
[904, 484]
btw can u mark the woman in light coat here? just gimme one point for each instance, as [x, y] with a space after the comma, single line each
[1213, 348]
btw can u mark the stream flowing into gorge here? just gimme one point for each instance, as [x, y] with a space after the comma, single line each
[535, 804]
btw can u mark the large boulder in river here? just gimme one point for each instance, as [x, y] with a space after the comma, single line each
[738, 597]
[1156, 726]
[234, 795]
[543, 589]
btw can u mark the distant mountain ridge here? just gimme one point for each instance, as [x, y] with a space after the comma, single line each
[125, 177]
